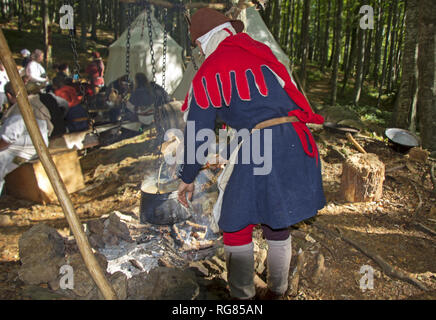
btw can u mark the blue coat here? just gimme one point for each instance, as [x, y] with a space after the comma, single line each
[292, 191]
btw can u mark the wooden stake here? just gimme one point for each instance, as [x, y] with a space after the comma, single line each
[91, 263]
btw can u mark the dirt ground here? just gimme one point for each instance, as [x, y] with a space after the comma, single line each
[386, 228]
[395, 236]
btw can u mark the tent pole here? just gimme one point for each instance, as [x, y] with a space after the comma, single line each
[91, 263]
[195, 5]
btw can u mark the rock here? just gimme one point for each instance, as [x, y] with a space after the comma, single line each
[5, 220]
[83, 282]
[418, 154]
[41, 251]
[260, 260]
[38, 293]
[199, 268]
[119, 283]
[338, 113]
[96, 227]
[115, 230]
[163, 283]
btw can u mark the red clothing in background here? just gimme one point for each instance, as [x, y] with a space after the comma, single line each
[70, 94]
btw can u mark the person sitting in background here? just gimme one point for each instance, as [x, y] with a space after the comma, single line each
[4, 79]
[95, 71]
[65, 92]
[145, 96]
[57, 111]
[15, 143]
[76, 116]
[26, 57]
[63, 71]
[34, 70]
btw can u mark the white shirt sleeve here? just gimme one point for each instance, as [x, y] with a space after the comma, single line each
[12, 129]
[35, 71]
[3, 80]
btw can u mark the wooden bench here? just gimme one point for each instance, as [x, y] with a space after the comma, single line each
[75, 140]
[30, 182]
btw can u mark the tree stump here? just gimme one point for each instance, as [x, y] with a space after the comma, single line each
[362, 178]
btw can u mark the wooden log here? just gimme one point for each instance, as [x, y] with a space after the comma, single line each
[30, 182]
[195, 5]
[91, 263]
[362, 178]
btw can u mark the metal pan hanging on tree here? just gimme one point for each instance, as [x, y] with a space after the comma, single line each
[402, 140]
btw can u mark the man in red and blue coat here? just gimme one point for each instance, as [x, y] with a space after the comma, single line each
[242, 83]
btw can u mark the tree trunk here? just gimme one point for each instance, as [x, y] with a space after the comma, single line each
[94, 20]
[427, 73]
[392, 46]
[325, 51]
[291, 50]
[305, 42]
[338, 45]
[383, 76]
[378, 43]
[47, 35]
[83, 19]
[122, 12]
[351, 59]
[368, 52]
[275, 28]
[362, 178]
[360, 65]
[405, 105]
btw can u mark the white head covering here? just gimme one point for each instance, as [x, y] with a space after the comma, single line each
[25, 53]
[210, 41]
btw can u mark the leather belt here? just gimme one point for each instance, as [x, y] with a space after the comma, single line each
[274, 122]
[79, 119]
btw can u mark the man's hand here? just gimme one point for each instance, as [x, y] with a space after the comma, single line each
[185, 191]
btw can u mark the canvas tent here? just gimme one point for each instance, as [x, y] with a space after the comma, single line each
[257, 29]
[140, 57]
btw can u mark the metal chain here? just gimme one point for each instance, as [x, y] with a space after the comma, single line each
[129, 29]
[165, 40]
[150, 36]
[76, 68]
[193, 62]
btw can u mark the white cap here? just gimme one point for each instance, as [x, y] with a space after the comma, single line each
[25, 53]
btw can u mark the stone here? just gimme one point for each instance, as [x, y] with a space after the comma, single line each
[119, 283]
[163, 283]
[259, 264]
[418, 154]
[336, 114]
[96, 226]
[41, 250]
[199, 268]
[115, 230]
[38, 293]
[83, 282]
[5, 220]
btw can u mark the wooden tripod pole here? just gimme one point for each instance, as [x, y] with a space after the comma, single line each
[59, 188]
